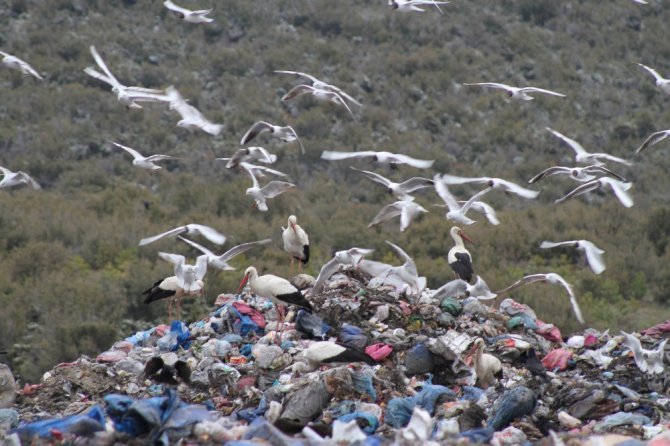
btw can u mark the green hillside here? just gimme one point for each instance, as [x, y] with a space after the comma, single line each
[72, 274]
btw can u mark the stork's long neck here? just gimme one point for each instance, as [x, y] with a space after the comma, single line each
[458, 240]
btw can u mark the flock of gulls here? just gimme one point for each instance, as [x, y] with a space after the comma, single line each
[591, 171]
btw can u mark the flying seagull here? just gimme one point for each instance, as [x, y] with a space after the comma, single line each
[191, 118]
[582, 156]
[18, 64]
[662, 83]
[317, 83]
[246, 154]
[457, 211]
[286, 133]
[319, 94]
[620, 190]
[11, 179]
[270, 190]
[403, 276]
[400, 190]
[144, 162]
[260, 171]
[516, 92]
[128, 96]
[460, 288]
[594, 255]
[493, 183]
[392, 159]
[407, 210]
[413, 5]
[648, 361]
[652, 139]
[210, 234]
[199, 16]
[551, 278]
[221, 261]
[352, 256]
[581, 174]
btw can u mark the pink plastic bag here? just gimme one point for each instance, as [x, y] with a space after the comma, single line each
[378, 351]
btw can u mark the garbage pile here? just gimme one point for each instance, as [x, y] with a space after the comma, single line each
[370, 366]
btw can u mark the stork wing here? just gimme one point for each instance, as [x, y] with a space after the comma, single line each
[541, 90]
[209, 233]
[170, 233]
[255, 130]
[547, 172]
[274, 188]
[579, 150]
[373, 176]
[133, 152]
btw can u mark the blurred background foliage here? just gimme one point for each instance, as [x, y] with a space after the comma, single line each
[71, 273]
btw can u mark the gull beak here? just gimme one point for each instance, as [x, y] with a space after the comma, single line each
[466, 238]
[243, 282]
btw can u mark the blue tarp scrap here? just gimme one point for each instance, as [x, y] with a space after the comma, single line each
[244, 325]
[85, 424]
[177, 337]
[399, 410]
[371, 420]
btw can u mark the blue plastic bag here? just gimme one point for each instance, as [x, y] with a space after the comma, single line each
[80, 424]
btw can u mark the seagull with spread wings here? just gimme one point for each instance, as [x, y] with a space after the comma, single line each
[11, 179]
[246, 154]
[492, 183]
[582, 156]
[407, 210]
[19, 64]
[662, 83]
[581, 174]
[648, 361]
[352, 256]
[594, 255]
[388, 158]
[197, 16]
[457, 211]
[221, 261]
[285, 133]
[619, 188]
[191, 118]
[400, 190]
[404, 276]
[319, 94]
[414, 5]
[518, 93]
[270, 190]
[209, 233]
[317, 83]
[553, 279]
[652, 139]
[144, 162]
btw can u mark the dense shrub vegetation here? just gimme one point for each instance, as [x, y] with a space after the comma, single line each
[71, 273]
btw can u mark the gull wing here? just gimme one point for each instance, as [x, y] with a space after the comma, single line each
[487, 210]
[327, 270]
[594, 256]
[336, 156]
[170, 233]
[103, 66]
[453, 179]
[299, 74]
[29, 180]
[620, 190]
[201, 266]
[604, 170]
[515, 188]
[653, 139]
[653, 72]
[133, 152]
[635, 346]
[407, 260]
[209, 233]
[355, 255]
[255, 130]
[612, 158]
[468, 204]
[101, 77]
[373, 176]
[302, 149]
[374, 268]
[386, 213]
[480, 290]
[493, 85]
[415, 183]
[408, 212]
[262, 155]
[159, 157]
[547, 245]
[6, 172]
[298, 90]
[554, 170]
[172, 7]
[444, 193]
[274, 188]
[578, 148]
[176, 259]
[454, 288]
[555, 278]
[239, 249]
[248, 166]
[200, 248]
[579, 190]
[532, 278]
[420, 164]
[540, 90]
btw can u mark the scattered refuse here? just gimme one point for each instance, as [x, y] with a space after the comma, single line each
[371, 365]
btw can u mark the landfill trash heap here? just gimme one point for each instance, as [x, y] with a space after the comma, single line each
[370, 366]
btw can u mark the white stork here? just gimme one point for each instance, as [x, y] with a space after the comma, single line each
[296, 241]
[459, 258]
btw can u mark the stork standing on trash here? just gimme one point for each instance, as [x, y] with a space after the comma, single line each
[296, 241]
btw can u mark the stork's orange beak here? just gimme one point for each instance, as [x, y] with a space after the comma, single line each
[466, 238]
[243, 282]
